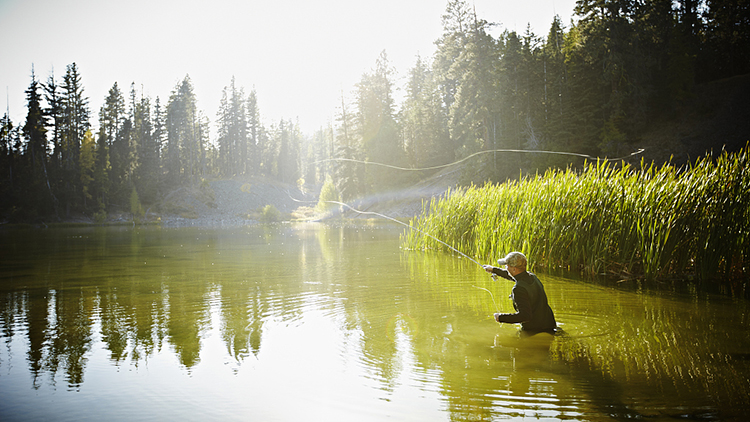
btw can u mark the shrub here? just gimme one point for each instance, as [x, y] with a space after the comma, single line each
[100, 216]
[328, 196]
[270, 214]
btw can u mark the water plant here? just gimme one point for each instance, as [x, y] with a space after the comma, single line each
[636, 220]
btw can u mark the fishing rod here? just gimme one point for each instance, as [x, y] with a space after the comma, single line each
[494, 277]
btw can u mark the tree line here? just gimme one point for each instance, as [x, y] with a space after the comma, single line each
[592, 87]
[56, 165]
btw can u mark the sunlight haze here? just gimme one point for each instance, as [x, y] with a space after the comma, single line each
[300, 56]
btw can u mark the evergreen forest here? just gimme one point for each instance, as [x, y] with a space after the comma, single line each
[597, 85]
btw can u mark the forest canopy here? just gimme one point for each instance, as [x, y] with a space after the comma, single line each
[592, 86]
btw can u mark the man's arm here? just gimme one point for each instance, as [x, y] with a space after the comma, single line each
[523, 308]
[498, 271]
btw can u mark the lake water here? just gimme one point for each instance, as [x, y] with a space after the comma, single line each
[314, 322]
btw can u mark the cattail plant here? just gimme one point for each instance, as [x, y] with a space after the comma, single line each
[641, 221]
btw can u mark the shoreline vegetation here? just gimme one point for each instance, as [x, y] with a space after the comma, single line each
[671, 78]
[615, 219]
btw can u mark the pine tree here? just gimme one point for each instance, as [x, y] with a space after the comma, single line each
[312, 150]
[555, 87]
[419, 145]
[658, 66]
[727, 33]
[9, 144]
[288, 139]
[254, 132]
[203, 140]
[158, 137]
[35, 131]
[113, 118]
[514, 91]
[101, 184]
[449, 47]
[233, 131]
[54, 115]
[326, 152]
[223, 119]
[239, 128]
[35, 198]
[121, 165]
[111, 162]
[144, 149]
[348, 175]
[75, 123]
[474, 113]
[424, 126]
[185, 136]
[377, 125]
[449, 68]
[266, 152]
[135, 140]
[87, 160]
[587, 101]
[607, 39]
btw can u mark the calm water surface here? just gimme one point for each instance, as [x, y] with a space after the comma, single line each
[316, 322]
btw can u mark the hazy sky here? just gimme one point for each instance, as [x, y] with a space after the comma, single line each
[298, 54]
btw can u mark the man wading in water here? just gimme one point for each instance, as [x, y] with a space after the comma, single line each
[529, 299]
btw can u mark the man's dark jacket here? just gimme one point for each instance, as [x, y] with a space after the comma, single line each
[530, 303]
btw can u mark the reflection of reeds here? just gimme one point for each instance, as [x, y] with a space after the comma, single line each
[614, 218]
[630, 354]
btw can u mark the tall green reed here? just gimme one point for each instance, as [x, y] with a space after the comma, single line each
[646, 221]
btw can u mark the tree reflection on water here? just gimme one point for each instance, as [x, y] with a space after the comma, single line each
[408, 318]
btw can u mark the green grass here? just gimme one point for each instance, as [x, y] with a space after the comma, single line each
[638, 221]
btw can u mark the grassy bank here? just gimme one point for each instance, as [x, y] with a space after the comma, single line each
[644, 221]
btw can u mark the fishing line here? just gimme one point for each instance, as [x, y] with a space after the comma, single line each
[426, 234]
[491, 295]
[639, 151]
[395, 221]
[497, 309]
[352, 160]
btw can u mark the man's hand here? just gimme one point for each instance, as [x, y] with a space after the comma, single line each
[488, 268]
